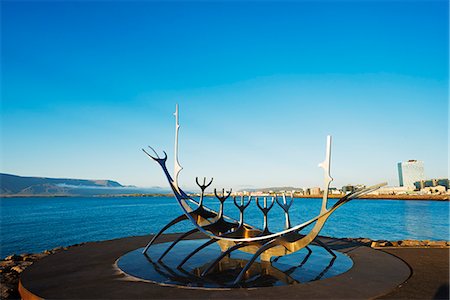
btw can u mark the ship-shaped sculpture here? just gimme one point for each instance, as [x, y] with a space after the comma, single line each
[231, 234]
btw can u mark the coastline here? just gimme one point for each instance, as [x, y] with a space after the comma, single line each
[331, 196]
[388, 197]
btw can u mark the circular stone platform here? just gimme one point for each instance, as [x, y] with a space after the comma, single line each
[309, 264]
[90, 272]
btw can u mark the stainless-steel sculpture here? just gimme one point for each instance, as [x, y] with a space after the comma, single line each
[232, 234]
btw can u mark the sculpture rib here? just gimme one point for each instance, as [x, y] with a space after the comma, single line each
[181, 198]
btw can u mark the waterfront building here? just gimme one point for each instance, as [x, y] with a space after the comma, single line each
[393, 190]
[349, 188]
[315, 191]
[438, 189]
[410, 172]
[334, 191]
[421, 184]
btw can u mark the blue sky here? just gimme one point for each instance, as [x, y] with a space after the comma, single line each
[86, 85]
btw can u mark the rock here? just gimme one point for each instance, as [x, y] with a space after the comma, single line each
[19, 268]
[34, 257]
[47, 252]
[409, 243]
[5, 291]
[424, 243]
[10, 277]
[438, 243]
[382, 243]
[28, 258]
[365, 241]
[9, 291]
[6, 264]
[10, 270]
[14, 257]
[395, 244]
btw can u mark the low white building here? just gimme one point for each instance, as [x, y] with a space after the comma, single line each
[439, 189]
[393, 190]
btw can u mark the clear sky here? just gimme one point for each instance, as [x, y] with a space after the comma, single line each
[86, 85]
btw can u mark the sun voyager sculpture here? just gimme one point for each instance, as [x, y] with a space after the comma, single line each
[237, 235]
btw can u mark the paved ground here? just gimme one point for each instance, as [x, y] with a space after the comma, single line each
[89, 272]
[430, 273]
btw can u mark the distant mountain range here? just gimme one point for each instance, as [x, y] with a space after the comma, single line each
[13, 185]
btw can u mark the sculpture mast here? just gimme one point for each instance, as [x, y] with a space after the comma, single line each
[325, 165]
[176, 167]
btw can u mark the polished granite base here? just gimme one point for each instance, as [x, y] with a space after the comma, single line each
[311, 264]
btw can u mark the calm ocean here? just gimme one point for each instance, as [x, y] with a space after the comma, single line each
[36, 224]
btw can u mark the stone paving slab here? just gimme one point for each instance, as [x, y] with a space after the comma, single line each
[89, 272]
[430, 273]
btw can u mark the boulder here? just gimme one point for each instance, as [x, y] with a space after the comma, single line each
[365, 241]
[10, 277]
[20, 267]
[14, 257]
[34, 257]
[8, 290]
[425, 243]
[394, 244]
[409, 243]
[6, 264]
[438, 243]
[5, 291]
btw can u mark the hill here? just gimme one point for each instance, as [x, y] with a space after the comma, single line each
[13, 185]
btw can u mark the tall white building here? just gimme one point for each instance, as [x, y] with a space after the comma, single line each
[409, 172]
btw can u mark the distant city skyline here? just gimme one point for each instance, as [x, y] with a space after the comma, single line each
[260, 85]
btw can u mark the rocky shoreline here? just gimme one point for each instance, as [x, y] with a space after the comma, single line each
[12, 265]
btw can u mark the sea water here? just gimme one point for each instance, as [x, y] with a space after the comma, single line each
[34, 224]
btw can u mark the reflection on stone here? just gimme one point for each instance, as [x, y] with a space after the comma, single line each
[303, 266]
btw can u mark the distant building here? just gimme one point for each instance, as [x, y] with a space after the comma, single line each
[315, 191]
[260, 193]
[334, 191]
[439, 189]
[349, 188]
[422, 184]
[393, 190]
[410, 172]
